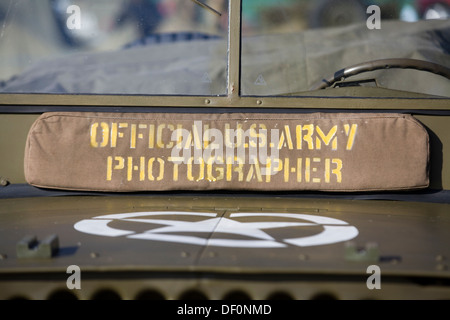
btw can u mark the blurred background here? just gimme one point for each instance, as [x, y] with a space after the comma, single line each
[268, 16]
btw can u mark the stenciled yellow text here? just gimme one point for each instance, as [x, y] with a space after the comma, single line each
[229, 154]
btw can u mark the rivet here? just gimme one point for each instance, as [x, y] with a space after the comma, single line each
[441, 267]
[259, 102]
[95, 255]
[3, 256]
[303, 257]
[3, 182]
[207, 101]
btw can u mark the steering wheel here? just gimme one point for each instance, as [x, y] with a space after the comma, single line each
[402, 63]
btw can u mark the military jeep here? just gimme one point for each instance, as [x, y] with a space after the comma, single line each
[223, 150]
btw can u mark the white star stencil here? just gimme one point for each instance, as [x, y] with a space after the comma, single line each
[223, 225]
[333, 230]
[215, 225]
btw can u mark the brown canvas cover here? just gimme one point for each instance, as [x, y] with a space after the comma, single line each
[126, 152]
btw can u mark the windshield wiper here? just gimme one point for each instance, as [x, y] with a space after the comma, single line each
[401, 63]
[204, 5]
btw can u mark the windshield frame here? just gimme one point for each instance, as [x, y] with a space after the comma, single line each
[233, 98]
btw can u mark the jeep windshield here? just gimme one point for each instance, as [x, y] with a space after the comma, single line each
[214, 149]
[170, 47]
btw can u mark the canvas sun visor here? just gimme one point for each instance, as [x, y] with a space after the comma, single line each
[127, 152]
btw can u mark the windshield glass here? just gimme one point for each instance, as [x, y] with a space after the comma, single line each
[175, 47]
[180, 47]
[290, 47]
